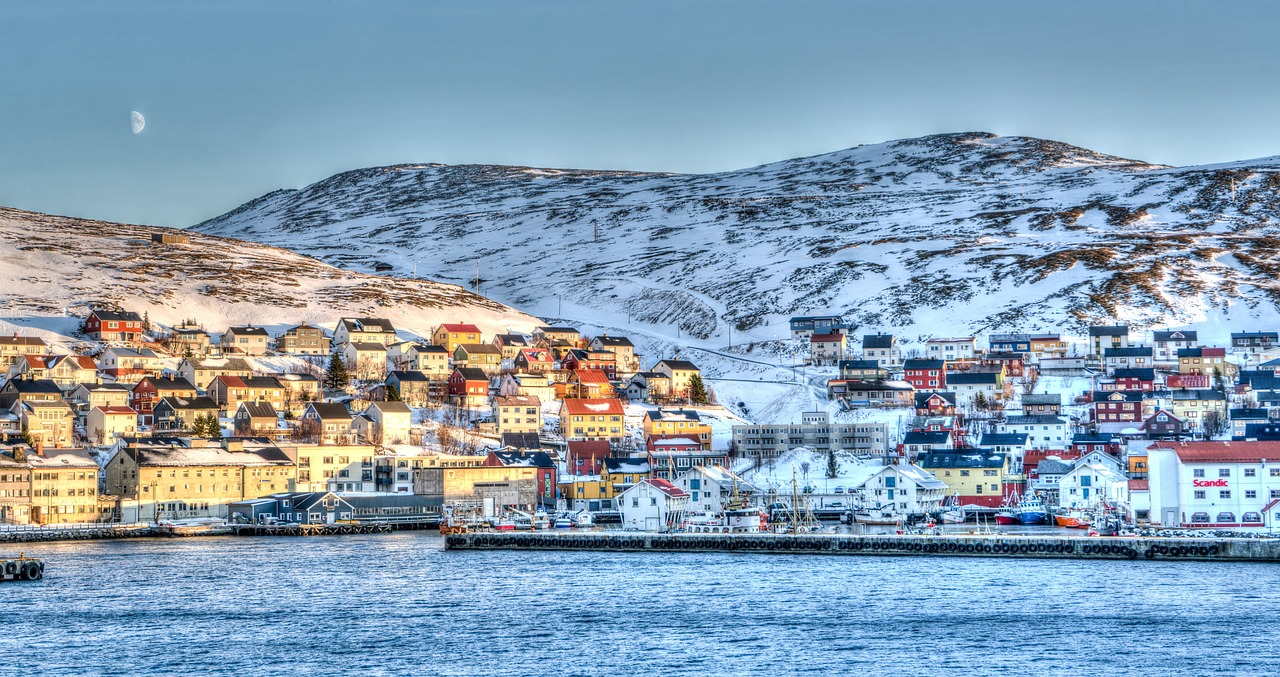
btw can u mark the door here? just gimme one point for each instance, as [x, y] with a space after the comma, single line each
[331, 517]
[652, 524]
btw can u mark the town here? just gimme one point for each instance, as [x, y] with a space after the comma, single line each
[134, 422]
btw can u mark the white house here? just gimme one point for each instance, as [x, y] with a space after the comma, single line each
[883, 349]
[364, 330]
[711, 487]
[1086, 485]
[365, 361]
[1168, 343]
[391, 420]
[111, 421]
[1043, 432]
[968, 385]
[1127, 358]
[951, 348]
[906, 487]
[652, 505]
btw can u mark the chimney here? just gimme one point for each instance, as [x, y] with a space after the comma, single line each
[20, 454]
[40, 447]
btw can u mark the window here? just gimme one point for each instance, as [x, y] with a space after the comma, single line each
[1225, 493]
[1226, 517]
[1199, 493]
[653, 501]
[1250, 493]
[1224, 472]
[964, 473]
[1198, 472]
[1250, 472]
[635, 502]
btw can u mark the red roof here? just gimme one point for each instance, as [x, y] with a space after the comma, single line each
[824, 338]
[536, 355]
[1237, 452]
[1139, 485]
[461, 328]
[231, 381]
[117, 410]
[594, 407]
[591, 376]
[666, 487]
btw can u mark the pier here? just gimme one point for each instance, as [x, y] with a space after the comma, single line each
[309, 529]
[21, 568]
[1045, 547]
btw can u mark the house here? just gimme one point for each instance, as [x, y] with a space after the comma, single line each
[1102, 338]
[1254, 342]
[677, 422]
[626, 361]
[1029, 345]
[549, 335]
[104, 424]
[672, 454]
[1164, 424]
[653, 505]
[88, 395]
[1042, 404]
[917, 442]
[548, 486]
[469, 387]
[1088, 485]
[883, 349]
[603, 360]
[245, 341]
[126, 365]
[68, 371]
[591, 383]
[29, 389]
[586, 457]
[862, 370]
[517, 414]
[64, 487]
[649, 386]
[1269, 399]
[1188, 381]
[188, 339]
[962, 348]
[1117, 411]
[510, 344]
[976, 476]
[1048, 345]
[1014, 363]
[533, 361]
[590, 419]
[326, 423]
[1013, 444]
[1125, 358]
[229, 391]
[199, 372]
[254, 419]
[1083, 443]
[1245, 416]
[1043, 432]
[599, 492]
[365, 361]
[925, 374]
[303, 339]
[529, 385]
[364, 330]
[521, 440]
[50, 423]
[1141, 380]
[299, 389]
[805, 326]
[413, 387]
[815, 432]
[481, 356]
[150, 389]
[1048, 475]
[827, 348]
[12, 348]
[1206, 361]
[1168, 343]
[935, 403]
[450, 336]
[178, 414]
[712, 488]
[681, 373]
[871, 393]
[1201, 409]
[113, 325]
[431, 360]
[980, 389]
[385, 423]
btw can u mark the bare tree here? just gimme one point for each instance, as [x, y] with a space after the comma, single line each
[373, 435]
[307, 430]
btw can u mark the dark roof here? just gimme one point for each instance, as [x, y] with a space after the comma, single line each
[1039, 419]
[118, 315]
[1136, 351]
[926, 437]
[167, 383]
[922, 399]
[472, 373]
[972, 378]
[1253, 414]
[1091, 438]
[1255, 334]
[674, 415]
[368, 324]
[1169, 335]
[430, 349]
[331, 410]
[923, 364]
[523, 440]
[408, 377]
[392, 407]
[627, 466]
[188, 403]
[1262, 431]
[1267, 395]
[962, 458]
[1117, 395]
[615, 341]
[1042, 398]
[877, 341]
[247, 331]
[1139, 374]
[259, 409]
[26, 386]
[1114, 330]
[558, 330]
[1053, 466]
[858, 364]
[680, 365]
[1198, 395]
[261, 382]
[1004, 439]
[525, 458]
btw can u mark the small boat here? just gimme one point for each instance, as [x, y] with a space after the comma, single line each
[952, 512]
[505, 524]
[1030, 510]
[874, 516]
[1008, 512]
[564, 521]
[541, 521]
[1067, 520]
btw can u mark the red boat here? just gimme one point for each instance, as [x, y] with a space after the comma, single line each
[1007, 517]
[1008, 513]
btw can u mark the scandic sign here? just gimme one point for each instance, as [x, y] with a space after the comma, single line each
[1209, 483]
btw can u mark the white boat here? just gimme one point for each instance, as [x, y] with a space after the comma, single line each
[881, 516]
[563, 521]
[541, 521]
[952, 512]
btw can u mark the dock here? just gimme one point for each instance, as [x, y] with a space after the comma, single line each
[21, 568]
[309, 529]
[969, 545]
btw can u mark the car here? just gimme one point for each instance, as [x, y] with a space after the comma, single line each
[839, 490]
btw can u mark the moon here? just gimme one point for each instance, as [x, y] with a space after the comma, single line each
[136, 121]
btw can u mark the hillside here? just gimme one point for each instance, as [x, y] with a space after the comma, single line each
[952, 233]
[56, 267]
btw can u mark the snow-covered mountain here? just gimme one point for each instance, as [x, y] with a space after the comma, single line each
[54, 268]
[940, 234]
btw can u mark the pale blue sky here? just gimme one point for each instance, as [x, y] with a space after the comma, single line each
[242, 98]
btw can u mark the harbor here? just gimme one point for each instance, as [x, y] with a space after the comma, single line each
[973, 545]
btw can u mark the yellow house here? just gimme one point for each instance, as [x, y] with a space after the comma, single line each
[1194, 406]
[51, 422]
[64, 487]
[591, 419]
[977, 476]
[518, 414]
[681, 372]
[597, 492]
[677, 422]
[450, 336]
[172, 482]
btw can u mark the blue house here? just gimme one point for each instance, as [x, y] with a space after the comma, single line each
[805, 326]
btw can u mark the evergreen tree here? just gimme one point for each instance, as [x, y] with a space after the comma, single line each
[697, 390]
[146, 322]
[336, 377]
[393, 393]
[833, 467]
[206, 425]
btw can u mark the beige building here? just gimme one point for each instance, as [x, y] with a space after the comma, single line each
[64, 487]
[104, 424]
[333, 468]
[13, 347]
[681, 373]
[201, 372]
[50, 421]
[246, 340]
[15, 487]
[517, 414]
[303, 339]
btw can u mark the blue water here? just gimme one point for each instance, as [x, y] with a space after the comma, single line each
[400, 604]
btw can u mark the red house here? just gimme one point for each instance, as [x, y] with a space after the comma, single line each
[1143, 380]
[1188, 381]
[586, 457]
[534, 361]
[469, 386]
[935, 404]
[150, 389]
[926, 374]
[111, 325]
[604, 360]
[1117, 407]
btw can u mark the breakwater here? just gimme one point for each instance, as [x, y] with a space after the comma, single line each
[41, 534]
[1125, 548]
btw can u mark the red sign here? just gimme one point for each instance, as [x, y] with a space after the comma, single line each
[1209, 483]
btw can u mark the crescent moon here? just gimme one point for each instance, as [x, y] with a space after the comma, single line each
[136, 121]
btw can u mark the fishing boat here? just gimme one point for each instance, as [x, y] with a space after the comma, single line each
[563, 521]
[1030, 510]
[1073, 518]
[880, 516]
[504, 524]
[541, 521]
[953, 512]
[1008, 512]
[523, 521]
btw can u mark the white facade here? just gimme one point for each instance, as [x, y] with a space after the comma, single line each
[1234, 490]
[1043, 432]
[647, 506]
[710, 488]
[951, 348]
[816, 432]
[1087, 485]
[905, 488]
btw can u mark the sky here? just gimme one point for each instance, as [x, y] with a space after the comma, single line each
[242, 98]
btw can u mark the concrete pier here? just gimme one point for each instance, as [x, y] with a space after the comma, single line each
[1048, 547]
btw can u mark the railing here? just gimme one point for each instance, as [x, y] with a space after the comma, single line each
[76, 526]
